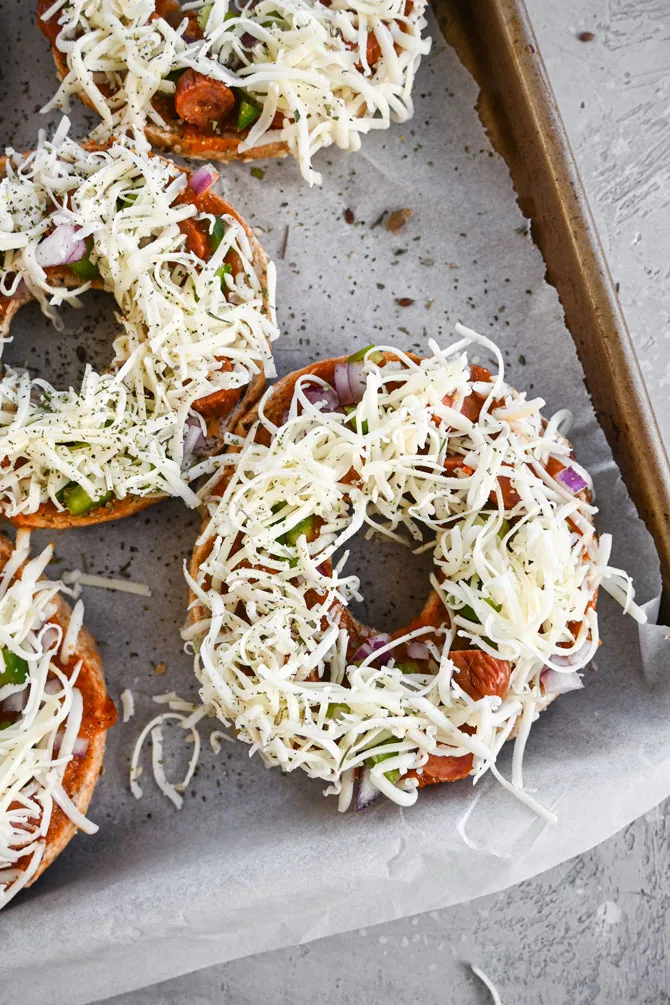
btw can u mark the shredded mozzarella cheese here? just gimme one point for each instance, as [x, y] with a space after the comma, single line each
[273, 646]
[127, 704]
[184, 714]
[40, 716]
[126, 432]
[303, 63]
[76, 578]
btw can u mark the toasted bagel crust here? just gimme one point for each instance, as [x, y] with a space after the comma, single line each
[99, 714]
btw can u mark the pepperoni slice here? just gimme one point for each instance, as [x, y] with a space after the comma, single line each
[509, 494]
[443, 769]
[456, 462]
[554, 467]
[219, 402]
[480, 374]
[197, 238]
[373, 52]
[472, 406]
[479, 674]
[50, 28]
[170, 11]
[201, 100]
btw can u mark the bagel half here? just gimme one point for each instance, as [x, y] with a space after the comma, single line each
[469, 662]
[178, 137]
[218, 422]
[341, 74]
[99, 713]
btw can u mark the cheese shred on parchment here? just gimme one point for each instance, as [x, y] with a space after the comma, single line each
[303, 63]
[127, 704]
[76, 578]
[132, 430]
[488, 984]
[271, 645]
[184, 714]
[40, 717]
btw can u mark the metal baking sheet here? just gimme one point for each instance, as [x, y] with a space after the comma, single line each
[495, 40]
[255, 859]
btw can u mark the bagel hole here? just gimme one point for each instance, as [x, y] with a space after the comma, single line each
[394, 581]
[60, 357]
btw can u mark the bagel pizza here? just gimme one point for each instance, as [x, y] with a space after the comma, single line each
[438, 454]
[194, 293]
[54, 712]
[239, 79]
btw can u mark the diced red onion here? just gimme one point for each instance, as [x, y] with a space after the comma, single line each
[350, 382]
[79, 747]
[342, 384]
[418, 650]
[203, 179]
[53, 686]
[49, 637]
[189, 39]
[565, 661]
[326, 397]
[61, 247]
[194, 437]
[366, 792]
[15, 702]
[248, 40]
[370, 646]
[555, 682]
[569, 660]
[357, 380]
[572, 481]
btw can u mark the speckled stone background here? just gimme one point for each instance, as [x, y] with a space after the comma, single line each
[596, 930]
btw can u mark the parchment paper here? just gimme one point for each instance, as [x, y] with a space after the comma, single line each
[257, 860]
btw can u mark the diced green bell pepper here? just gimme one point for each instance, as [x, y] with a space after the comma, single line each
[78, 501]
[217, 233]
[409, 667]
[15, 668]
[225, 270]
[85, 268]
[359, 355]
[203, 16]
[336, 709]
[271, 19]
[291, 536]
[127, 199]
[350, 410]
[247, 113]
[392, 775]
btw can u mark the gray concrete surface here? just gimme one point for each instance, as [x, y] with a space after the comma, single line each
[596, 929]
